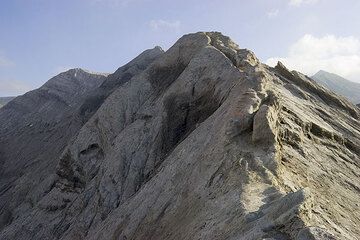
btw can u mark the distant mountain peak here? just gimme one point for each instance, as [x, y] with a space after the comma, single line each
[76, 71]
[339, 84]
[159, 48]
[76, 77]
[326, 73]
[322, 72]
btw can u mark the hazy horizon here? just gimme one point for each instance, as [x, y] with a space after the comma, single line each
[43, 38]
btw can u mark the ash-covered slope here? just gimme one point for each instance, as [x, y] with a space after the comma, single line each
[205, 143]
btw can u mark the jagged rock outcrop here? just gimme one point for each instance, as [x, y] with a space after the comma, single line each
[205, 142]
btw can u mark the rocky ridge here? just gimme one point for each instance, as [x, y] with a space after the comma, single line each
[202, 142]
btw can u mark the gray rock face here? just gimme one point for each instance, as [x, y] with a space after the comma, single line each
[200, 142]
[5, 100]
[35, 129]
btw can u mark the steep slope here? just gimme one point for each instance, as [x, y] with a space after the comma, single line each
[5, 100]
[206, 143]
[36, 127]
[118, 78]
[338, 84]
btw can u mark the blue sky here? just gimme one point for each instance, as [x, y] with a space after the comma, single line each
[40, 38]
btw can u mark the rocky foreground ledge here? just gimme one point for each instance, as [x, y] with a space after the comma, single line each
[199, 142]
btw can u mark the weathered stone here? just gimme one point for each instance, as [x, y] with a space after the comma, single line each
[200, 142]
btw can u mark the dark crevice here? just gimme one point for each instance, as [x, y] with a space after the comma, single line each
[183, 114]
[6, 217]
[91, 105]
[161, 77]
[352, 147]
[320, 132]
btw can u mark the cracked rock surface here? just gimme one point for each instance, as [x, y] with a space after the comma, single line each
[199, 142]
